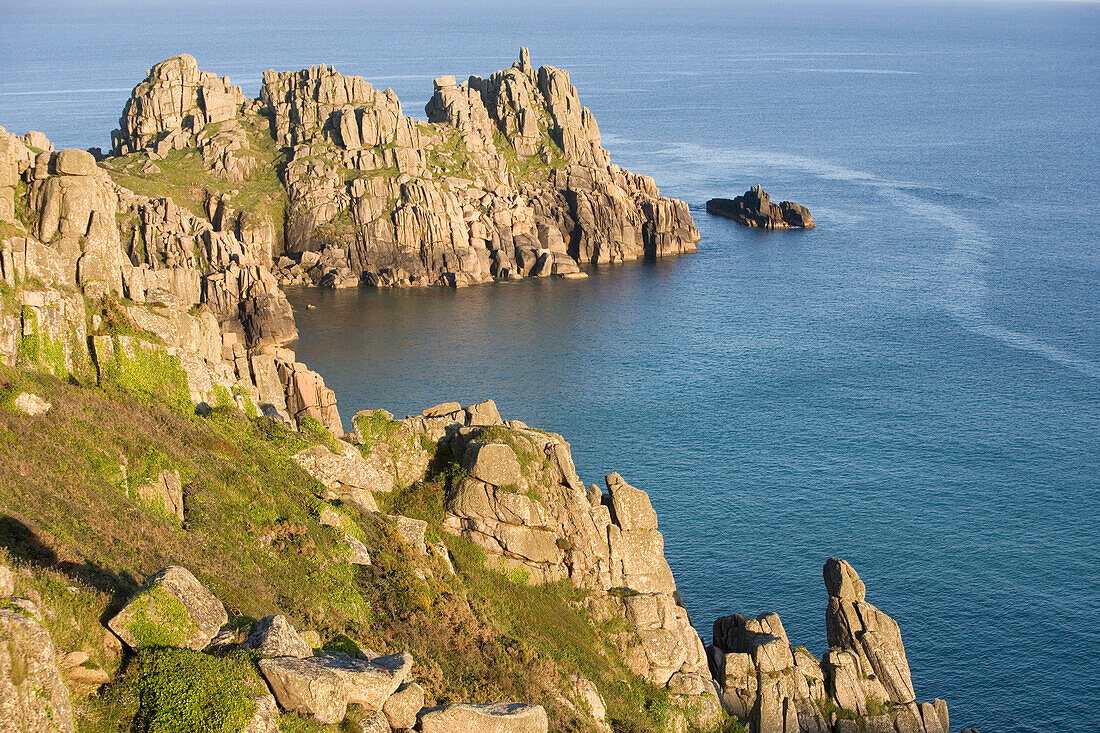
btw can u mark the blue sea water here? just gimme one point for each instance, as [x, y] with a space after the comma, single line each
[913, 386]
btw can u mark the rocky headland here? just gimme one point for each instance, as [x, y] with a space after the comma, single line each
[250, 565]
[755, 209]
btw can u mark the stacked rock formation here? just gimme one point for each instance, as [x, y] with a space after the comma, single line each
[523, 503]
[177, 107]
[201, 288]
[755, 209]
[862, 683]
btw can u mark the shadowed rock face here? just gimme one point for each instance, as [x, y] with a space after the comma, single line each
[755, 209]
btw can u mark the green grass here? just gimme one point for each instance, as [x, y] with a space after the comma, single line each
[150, 373]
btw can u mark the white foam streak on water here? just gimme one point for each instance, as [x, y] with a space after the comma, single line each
[854, 71]
[963, 288]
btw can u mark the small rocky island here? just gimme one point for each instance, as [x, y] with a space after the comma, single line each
[755, 209]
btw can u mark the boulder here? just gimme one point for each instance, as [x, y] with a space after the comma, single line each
[172, 608]
[446, 408]
[348, 476]
[402, 706]
[33, 697]
[364, 720]
[73, 162]
[358, 554]
[273, 636]
[308, 687]
[266, 718]
[483, 413]
[31, 404]
[632, 508]
[755, 209]
[587, 695]
[493, 463]
[7, 582]
[369, 682]
[413, 532]
[498, 717]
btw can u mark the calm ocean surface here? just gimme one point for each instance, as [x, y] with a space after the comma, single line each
[913, 386]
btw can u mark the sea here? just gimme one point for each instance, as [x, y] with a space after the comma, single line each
[913, 386]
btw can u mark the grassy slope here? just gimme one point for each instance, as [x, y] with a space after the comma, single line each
[82, 540]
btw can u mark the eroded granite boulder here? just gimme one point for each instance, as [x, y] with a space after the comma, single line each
[172, 608]
[273, 636]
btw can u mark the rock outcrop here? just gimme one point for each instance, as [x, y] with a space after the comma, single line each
[755, 209]
[178, 106]
[863, 679]
[205, 297]
[523, 503]
[507, 180]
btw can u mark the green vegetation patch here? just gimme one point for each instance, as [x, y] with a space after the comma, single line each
[156, 618]
[181, 691]
[148, 371]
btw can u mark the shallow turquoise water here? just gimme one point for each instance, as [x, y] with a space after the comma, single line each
[913, 386]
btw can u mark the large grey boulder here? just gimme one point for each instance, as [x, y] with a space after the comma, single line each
[497, 717]
[273, 636]
[369, 682]
[307, 687]
[33, 698]
[172, 608]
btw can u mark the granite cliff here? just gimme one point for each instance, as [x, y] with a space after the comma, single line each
[452, 569]
[507, 179]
